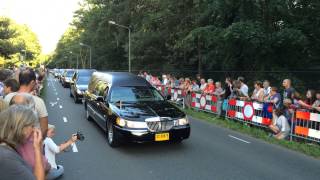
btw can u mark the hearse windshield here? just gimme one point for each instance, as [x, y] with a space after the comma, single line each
[135, 94]
[69, 73]
[83, 80]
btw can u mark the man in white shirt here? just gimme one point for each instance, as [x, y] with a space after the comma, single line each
[244, 88]
[51, 149]
[27, 80]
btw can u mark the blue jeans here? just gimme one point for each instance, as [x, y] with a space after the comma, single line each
[55, 173]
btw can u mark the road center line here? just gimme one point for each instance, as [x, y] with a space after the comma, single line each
[65, 119]
[239, 139]
[60, 107]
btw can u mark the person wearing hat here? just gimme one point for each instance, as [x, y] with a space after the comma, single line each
[51, 149]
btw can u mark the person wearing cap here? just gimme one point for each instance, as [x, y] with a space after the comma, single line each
[51, 149]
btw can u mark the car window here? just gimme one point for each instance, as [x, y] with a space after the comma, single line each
[83, 80]
[135, 94]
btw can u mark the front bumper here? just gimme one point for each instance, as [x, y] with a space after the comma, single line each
[140, 136]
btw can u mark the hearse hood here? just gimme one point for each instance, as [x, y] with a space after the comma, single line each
[142, 110]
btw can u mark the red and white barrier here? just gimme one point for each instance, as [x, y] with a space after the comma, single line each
[204, 102]
[249, 111]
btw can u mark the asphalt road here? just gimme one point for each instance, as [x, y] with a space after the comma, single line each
[210, 153]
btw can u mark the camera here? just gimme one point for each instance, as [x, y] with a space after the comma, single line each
[80, 136]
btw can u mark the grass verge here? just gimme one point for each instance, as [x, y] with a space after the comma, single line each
[310, 149]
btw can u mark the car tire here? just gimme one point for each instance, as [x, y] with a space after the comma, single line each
[112, 137]
[76, 99]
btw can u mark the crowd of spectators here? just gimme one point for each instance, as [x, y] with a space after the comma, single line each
[24, 131]
[284, 103]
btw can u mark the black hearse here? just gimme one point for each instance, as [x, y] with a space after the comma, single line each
[128, 108]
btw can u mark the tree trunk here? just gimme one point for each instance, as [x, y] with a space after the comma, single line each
[199, 57]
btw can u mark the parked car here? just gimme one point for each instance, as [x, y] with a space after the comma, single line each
[66, 77]
[128, 108]
[79, 83]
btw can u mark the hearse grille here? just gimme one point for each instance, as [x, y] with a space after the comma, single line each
[164, 124]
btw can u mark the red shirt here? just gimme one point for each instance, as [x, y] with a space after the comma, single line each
[209, 89]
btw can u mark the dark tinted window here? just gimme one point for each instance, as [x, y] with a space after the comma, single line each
[135, 94]
[69, 73]
[85, 72]
[83, 80]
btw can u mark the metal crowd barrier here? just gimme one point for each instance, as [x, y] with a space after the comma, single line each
[208, 103]
[255, 113]
[306, 125]
[177, 95]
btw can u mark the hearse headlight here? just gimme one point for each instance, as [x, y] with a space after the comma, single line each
[131, 124]
[181, 122]
[120, 122]
[136, 124]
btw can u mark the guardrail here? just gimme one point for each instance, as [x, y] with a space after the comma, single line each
[304, 124]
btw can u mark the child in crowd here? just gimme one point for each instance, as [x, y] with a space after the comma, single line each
[51, 149]
[10, 86]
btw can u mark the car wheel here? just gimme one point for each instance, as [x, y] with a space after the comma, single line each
[88, 117]
[112, 137]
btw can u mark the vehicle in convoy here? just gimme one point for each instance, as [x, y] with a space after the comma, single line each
[66, 77]
[60, 73]
[79, 83]
[128, 108]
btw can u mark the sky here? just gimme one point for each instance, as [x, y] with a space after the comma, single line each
[49, 19]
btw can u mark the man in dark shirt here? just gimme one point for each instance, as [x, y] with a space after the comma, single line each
[288, 90]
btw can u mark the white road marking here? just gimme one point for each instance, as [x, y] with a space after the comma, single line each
[56, 93]
[74, 147]
[239, 139]
[65, 119]
[58, 99]
[53, 103]
[60, 107]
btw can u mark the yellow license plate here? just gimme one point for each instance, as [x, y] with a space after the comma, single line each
[162, 137]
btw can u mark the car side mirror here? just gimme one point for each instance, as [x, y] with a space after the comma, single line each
[168, 97]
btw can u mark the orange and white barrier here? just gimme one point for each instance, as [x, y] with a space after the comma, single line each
[307, 125]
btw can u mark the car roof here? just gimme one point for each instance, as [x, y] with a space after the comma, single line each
[122, 79]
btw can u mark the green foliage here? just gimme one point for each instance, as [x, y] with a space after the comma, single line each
[198, 36]
[15, 38]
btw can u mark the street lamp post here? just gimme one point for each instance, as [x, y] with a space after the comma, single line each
[25, 54]
[129, 46]
[82, 44]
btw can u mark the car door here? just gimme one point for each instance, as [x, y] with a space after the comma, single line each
[100, 115]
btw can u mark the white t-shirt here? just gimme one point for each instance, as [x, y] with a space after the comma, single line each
[244, 89]
[39, 104]
[50, 151]
[283, 124]
[203, 86]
